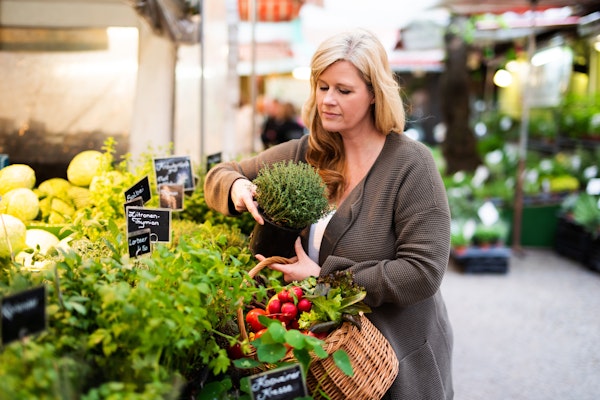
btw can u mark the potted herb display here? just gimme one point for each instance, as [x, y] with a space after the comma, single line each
[486, 252]
[290, 196]
[488, 235]
[578, 233]
[587, 214]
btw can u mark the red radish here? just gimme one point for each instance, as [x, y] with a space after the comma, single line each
[296, 291]
[289, 311]
[274, 306]
[235, 352]
[304, 305]
[284, 296]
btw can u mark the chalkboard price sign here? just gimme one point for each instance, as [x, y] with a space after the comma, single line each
[23, 314]
[279, 384]
[213, 159]
[157, 220]
[140, 189]
[139, 243]
[174, 170]
[137, 202]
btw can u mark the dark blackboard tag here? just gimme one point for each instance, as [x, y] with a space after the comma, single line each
[212, 160]
[140, 189]
[174, 170]
[23, 314]
[171, 196]
[157, 220]
[139, 243]
[137, 202]
[279, 384]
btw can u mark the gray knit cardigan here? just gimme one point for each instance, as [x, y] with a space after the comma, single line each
[393, 232]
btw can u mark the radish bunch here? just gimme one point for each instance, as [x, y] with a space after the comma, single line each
[287, 305]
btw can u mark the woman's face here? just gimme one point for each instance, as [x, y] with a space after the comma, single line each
[343, 99]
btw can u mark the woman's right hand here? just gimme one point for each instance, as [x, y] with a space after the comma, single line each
[242, 195]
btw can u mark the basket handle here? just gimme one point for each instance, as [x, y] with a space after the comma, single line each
[252, 273]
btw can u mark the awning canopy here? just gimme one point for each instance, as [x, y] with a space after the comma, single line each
[476, 7]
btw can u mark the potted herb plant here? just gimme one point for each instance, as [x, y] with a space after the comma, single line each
[586, 213]
[578, 230]
[290, 196]
[488, 235]
[459, 241]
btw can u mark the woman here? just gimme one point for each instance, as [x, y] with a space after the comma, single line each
[391, 224]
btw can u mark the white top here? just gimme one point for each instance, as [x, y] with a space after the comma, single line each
[316, 236]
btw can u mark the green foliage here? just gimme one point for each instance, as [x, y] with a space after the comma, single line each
[107, 189]
[123, 328]
[33, 370]
[586, 212]
[272, 349]
[499, 129]
[562, 172]
[580, 115]
[198, 211]
[136, 328]
[489, 234]
[582, 163]
[291, 194]
[458, 239]
[335, 298]
[543, 124]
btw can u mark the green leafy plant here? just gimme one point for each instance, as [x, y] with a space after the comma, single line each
[335, 298]
[543, 124]
[130, 328]
[489, 234]
[586, 212]
[291, 194]
[198, 211]
[459, 240]
[272, 348]
[578, 115]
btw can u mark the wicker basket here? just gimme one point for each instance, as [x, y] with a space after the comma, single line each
[373, 360]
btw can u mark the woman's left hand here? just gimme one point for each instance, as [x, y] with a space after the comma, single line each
[301, 266]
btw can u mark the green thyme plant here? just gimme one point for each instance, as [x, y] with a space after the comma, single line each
[291, 194]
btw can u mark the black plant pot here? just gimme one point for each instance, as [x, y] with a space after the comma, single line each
[273, 240]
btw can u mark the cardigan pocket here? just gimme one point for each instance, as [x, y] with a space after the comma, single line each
[419, 376]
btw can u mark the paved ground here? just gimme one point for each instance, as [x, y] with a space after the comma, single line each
[530, 334]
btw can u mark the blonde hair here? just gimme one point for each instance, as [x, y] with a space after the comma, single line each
[362, 49]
